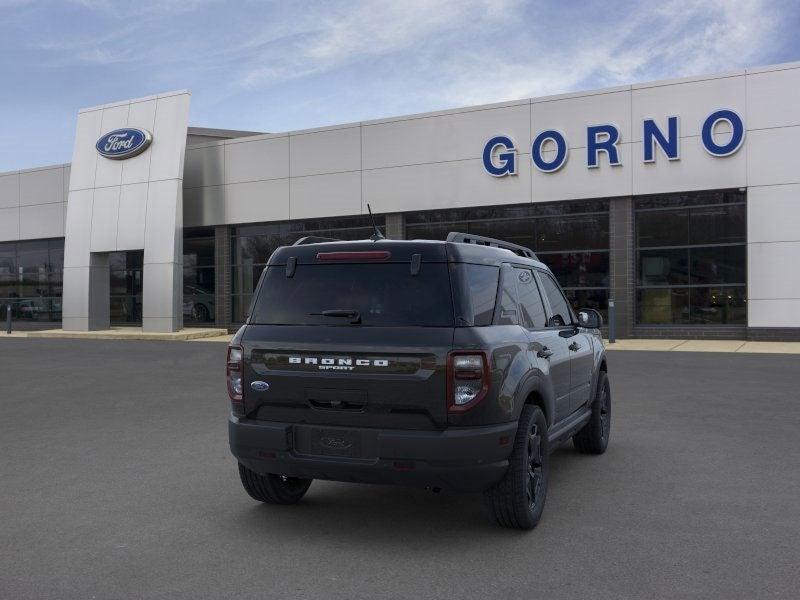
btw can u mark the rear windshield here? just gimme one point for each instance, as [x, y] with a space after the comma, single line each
[382, 294]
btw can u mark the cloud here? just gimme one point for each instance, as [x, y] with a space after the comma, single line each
[275, 65]
[326, 38]
[667, 41]
[471, 52]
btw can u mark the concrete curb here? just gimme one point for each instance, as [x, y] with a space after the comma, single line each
[222, 336]
[124, 333]
[729, 346]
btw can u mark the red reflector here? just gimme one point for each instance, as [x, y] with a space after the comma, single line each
[367, 255]
[403, 466]
[504, 440]
[265, 454]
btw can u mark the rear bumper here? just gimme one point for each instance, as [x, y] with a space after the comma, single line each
[466, 459]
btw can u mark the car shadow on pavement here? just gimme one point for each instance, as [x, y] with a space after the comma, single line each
[383, 513]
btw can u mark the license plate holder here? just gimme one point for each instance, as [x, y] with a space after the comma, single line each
[343, 443]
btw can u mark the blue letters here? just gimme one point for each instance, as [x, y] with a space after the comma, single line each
[508, 159]
[652, 135]
[737, 138]
[607, 144]
[561, 151]
[500, 152]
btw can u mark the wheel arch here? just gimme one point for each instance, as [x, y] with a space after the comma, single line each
[537, 391]
[602, 367]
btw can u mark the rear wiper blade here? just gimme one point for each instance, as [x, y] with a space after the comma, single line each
[353, 315]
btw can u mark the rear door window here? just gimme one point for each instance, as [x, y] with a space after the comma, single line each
[530, 300]
[558, 304]
[382, 294]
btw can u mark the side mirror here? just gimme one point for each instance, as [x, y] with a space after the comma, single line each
[590, 318]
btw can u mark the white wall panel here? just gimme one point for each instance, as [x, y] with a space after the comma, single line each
[575, 180]
[692, 101]
[772, 270]
[325, 195]
[75, 303]
[328, 151]
[79, 214]
[44, 186]
[163, 202]
[204, 166]
[84, 157]
[773, 313]
[141, 115]
[572, 115]
[204, 206]
[257, 201]
[773, 213]
[9, 224]
[132, 212]
[443, 138]
[773, 99]
[442, 185]
[9, 190]
[158, 295]
[109, 171]
[66, 174]
[257, 160]
[41, 221]
[169, 137]
[773, 156]
[696, 170]
[105, 217]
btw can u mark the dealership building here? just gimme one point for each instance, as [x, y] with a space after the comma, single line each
[677, 200]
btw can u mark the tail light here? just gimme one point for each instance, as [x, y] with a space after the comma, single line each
[233, 374]
[467, 379]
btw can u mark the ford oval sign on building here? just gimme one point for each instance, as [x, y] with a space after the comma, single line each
[124, 143]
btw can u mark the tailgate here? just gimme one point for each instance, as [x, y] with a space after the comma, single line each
[385, 377]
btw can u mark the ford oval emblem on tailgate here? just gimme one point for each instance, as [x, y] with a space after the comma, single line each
[335, 443]
[259, 386]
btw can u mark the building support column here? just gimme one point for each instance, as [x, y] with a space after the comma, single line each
[222, 276]
[621, 264]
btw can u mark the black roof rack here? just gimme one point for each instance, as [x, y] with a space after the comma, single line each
[479, 240]
[313, 239]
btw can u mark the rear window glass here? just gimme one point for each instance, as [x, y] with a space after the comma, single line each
[477, 293]
[382, 294]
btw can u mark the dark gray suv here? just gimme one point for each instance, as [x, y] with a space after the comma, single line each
[453, 365]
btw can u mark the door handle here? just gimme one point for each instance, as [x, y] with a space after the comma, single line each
[574, 346]
[545, 352]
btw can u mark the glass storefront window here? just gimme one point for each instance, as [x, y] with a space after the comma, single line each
[572, 238]
[126, 287]
[252, 245]
[691, 259]
[199, 277]
[30, 279]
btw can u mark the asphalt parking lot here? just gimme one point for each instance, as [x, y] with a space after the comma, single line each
[116, 482]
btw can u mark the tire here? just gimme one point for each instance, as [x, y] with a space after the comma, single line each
[273, 489]
[593, 438]
[518, 500]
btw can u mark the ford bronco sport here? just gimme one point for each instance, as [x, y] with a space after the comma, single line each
[453, 365]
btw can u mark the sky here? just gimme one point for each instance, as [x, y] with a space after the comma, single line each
[283, 65]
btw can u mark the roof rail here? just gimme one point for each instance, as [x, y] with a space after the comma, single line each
[479, 240]
[313, 239]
